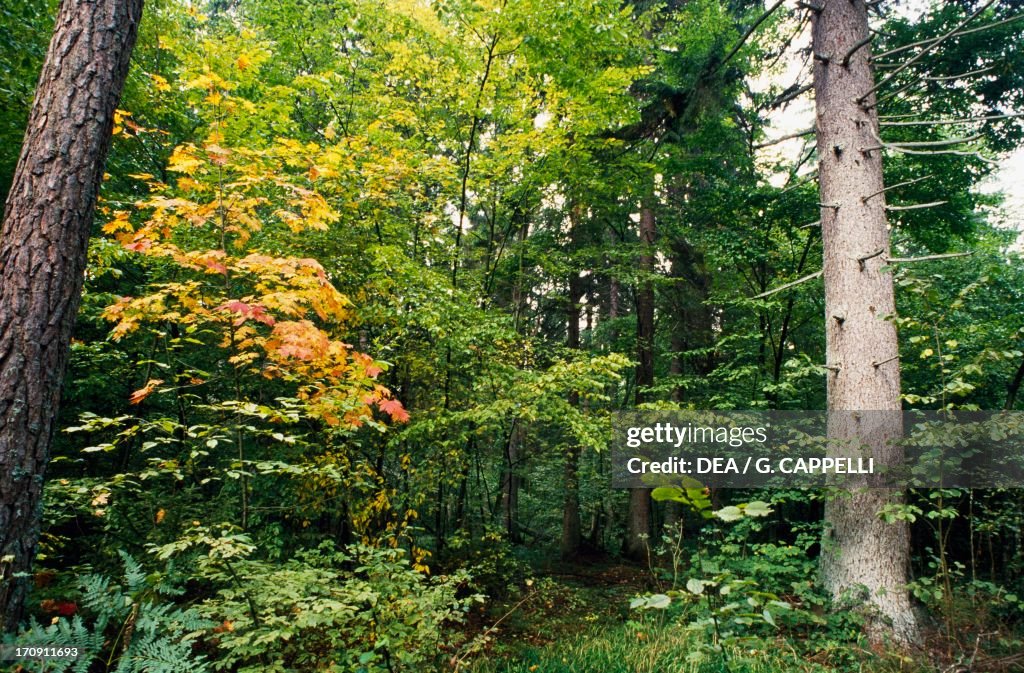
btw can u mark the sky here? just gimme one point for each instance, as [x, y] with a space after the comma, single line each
[799, 115]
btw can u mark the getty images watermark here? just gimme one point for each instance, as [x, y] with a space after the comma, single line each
[786, 449]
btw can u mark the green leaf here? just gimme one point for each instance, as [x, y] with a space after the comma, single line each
[730, 513]
[757, 508]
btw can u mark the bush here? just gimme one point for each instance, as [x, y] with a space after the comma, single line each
[363, 609]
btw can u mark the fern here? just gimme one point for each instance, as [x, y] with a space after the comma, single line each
[131, 630]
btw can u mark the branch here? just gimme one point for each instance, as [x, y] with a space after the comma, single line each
[923, 52]
[963, 75]
[855, 48]
[898, 184]
[790, 94]
[917, 206]
[811, 177]
[936, 143]
[746, 35]
[790, 136]
[788, 285]
[919, 43]
[926, 258]
[963, 120]
[876, 253]
[957, 153]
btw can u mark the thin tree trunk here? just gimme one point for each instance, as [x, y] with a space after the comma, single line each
[43, 243]
[570, 544]
[638, 521]
[509, 492]
[860, 551]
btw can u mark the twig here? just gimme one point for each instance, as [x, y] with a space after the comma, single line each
[896, 186]
[958, 153]
[919, 43]
[963, 120]
[787, 95]
[936, 143]
[788, 285]
[965, 75]
[917, 206]
[888, 78]
[780, 139]
[926, 258]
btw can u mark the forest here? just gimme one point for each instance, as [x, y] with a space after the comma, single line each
[316, 317]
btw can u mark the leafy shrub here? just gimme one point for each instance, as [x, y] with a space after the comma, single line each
[491, 561]
[130, 628]
[363, 609]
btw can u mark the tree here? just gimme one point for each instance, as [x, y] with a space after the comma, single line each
[638, 518]
[43, 242]
[860, 550]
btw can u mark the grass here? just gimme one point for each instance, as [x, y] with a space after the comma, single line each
[629, 648]
[580, 623]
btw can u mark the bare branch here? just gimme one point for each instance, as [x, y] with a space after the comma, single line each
[876, 253]
[964, 120]
[888, 78]
[800, 183]
[917, 206]
[919, 43]
[816, 223]
[963, 75]
[926, 258]
[855, 48]
[957, 153]
[781, 139]
[796, 282]
[787, 96]
[897, 185]
[936, 143]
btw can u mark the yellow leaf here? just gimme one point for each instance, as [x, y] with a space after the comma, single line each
[119, 223]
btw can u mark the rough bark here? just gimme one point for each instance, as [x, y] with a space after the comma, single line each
[638, 521]
[860, 552]
[43, 243]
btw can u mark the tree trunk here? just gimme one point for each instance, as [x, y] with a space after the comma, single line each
[43, 243]
[860, 550]
[570, 544]
[638, 522]
[509, 492]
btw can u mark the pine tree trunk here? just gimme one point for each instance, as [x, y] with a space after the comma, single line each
[43, 242]
[638, 521]
[860, 551]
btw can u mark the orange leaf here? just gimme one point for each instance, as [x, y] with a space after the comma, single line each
[394, 409]
[144, 392]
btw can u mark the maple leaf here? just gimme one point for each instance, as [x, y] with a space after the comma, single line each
[119, 223]
[144, 392]
[394, 409]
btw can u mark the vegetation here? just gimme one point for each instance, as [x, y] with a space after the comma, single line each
[366, 281]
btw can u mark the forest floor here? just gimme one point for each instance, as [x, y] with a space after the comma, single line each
[576, 619]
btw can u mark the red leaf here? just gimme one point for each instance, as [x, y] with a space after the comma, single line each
[395, 410]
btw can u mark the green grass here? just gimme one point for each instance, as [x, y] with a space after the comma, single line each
[659, 649]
